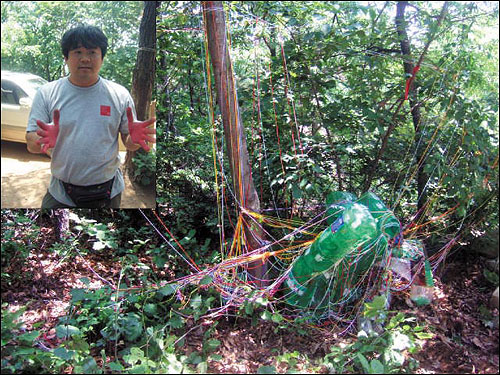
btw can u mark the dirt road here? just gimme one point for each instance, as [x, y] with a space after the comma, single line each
[26, 177]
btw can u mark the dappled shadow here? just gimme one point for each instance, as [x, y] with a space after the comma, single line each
[136, 196]
[18, 151]
[43, 284]
[25, 176]
[25, 191]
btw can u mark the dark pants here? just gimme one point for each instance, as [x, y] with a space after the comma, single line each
[50, 202]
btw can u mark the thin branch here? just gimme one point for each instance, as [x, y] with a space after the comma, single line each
[408, 69]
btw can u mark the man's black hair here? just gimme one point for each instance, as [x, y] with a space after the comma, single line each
[84, 36]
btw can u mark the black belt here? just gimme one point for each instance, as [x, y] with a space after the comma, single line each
[91, 196]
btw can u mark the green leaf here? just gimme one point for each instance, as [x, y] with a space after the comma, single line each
[167, 290]
[150, 309]
[64, 353]
[395, 320]
[132, 327]
[89, 366]
[248, 307]
[213, 344]
[160, 261]
[378, 303]
[194, 358]
[266, 315]
[216, 357]
[394, 358]
[375, 308]
[139, 369]
[78, 294]
[28, 337]
[175, 322]
[262, 301]
[424, 335]
[190, 235]
[196, 302]
[136, 355]
[364, 362]
[266, 370]
[25, 351]
[202, 367]
[85, 280]
[277, 318]
[377, 367]
[296, 192]
[492, 277]
[206, 280]
[115, 366]
[66, 330]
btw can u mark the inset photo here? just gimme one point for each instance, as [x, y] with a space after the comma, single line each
[78, 111]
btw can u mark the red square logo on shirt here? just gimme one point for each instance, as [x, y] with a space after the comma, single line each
[105, 110]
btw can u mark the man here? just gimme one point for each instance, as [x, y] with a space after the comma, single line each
[76, 120]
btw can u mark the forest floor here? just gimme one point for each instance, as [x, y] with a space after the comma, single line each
[465, 340]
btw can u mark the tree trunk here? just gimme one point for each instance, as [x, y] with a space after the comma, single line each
[415, 109]
[234, 134]
[414, 105]
[61, 223]
[144, 71]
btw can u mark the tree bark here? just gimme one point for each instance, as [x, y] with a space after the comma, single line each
[246, 194]
[61, 223]
[144, 70]
[414, 105]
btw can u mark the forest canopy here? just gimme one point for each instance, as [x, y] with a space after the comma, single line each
[319, 84]
[32, 32]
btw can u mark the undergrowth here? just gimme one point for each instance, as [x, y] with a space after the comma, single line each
[141, 326]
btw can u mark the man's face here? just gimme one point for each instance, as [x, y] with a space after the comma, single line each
[84, 65]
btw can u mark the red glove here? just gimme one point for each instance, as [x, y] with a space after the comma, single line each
[48, 132]
[139, 130]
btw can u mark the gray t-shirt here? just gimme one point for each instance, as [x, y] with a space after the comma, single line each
[86, 150]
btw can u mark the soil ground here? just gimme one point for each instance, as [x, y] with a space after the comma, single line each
[26, 177]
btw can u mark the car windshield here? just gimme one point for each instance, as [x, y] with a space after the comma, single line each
[33, 85]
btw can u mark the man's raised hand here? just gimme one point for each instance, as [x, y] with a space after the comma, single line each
[139, 130]
[48, 132]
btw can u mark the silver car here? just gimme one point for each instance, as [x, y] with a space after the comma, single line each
[18, 91]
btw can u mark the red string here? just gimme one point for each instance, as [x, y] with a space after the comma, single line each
[410, 80]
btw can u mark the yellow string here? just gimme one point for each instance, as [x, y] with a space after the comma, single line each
[422, 158]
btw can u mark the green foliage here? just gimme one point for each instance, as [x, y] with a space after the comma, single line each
[383, 351]
[145, 168]
[492, 277]
[289, 359]
[19, 235]
[266, 370]
[100, 317]
[104, 236]
[19, 353]
[32, 31]
[169, 363]
[338, 95]
[487, 318]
